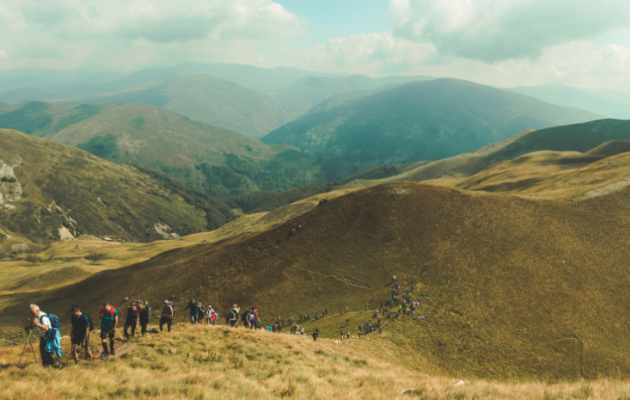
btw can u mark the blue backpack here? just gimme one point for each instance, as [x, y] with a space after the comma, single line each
[54, 321]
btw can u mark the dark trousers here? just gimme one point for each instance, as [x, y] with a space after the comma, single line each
[47, 358]
[131, 325]
[143, 326]
[166, 320]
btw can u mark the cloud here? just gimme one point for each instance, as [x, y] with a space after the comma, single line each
[491, 31]
[371, 54]
[85, 33]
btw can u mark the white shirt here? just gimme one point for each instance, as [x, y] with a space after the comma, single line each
[44, 320]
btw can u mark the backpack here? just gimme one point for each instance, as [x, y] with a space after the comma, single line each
[132, 312]
[90, 323]
[54, 321]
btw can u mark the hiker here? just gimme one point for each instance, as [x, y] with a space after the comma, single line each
[348, 333]
[342, 333]
[316, 316]
[346, 309]
[257, 322]
[143, 317]
[214, 317]
[234, 317]
[209, 312]
[41, 321]
[394, 278]
[302, 331]
[132, 319]
[194, 310]
[109, 321]
[315, 335]
[80, 333]
[167, 315]
[347, 321]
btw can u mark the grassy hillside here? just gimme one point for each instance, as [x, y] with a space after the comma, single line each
[420, 121]
[203, 157]
[520, 288]
[210, 363]
[563, 95]
[51, 191]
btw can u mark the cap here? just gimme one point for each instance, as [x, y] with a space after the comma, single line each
[166, 302]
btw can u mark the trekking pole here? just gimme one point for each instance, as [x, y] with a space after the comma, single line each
[28, 341]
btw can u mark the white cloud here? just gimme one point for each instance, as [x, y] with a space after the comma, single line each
[491, 30]
[371, 54]
[86, 33]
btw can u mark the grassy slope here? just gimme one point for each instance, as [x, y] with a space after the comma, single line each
[64, 186]
[71, 261]
[207, 363]
[519, 288]
[420, 121]
[201, 156]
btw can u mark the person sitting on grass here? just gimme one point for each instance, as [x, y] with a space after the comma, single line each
[79, 334]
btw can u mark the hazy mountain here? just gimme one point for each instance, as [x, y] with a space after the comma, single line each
[579, 98]
[208, 99]
[420, 121]
[302, 95]
[51, 191]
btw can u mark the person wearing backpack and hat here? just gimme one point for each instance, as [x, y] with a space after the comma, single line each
[80, 333]
[132, 319]
[167, 315]
[41, 321]
[144, 316]
[109, 321]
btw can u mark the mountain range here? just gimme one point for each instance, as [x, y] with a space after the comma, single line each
[417, 121]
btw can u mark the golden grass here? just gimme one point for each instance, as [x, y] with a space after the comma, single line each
[210, 363]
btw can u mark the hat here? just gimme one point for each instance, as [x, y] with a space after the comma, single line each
[166, 302]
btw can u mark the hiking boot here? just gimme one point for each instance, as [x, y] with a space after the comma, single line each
[113, 353]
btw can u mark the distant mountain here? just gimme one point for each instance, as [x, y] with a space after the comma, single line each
[602, 138]
[208, 99]
[203, 157]
[420, 121]
[302, 95]
[50, 191]
[584, 99]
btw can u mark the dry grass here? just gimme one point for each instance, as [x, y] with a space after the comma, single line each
[210, 363]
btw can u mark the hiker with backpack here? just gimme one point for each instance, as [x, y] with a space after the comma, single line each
[132, 319]
[167, 315]
[209, 312]
[49, 342]
[144, 316]
[315, 335]
[80, 333]
[109, 321]
[234, 317]
[194, 310]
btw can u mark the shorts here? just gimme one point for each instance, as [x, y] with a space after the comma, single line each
[111, 334]
[78, 341]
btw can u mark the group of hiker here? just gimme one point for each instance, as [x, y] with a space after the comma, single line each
[137, 314]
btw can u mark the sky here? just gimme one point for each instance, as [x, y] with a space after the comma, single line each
[497, 42]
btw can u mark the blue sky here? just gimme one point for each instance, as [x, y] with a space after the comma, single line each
[496, 42]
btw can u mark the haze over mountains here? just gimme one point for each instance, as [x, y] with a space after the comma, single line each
[420, 121]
